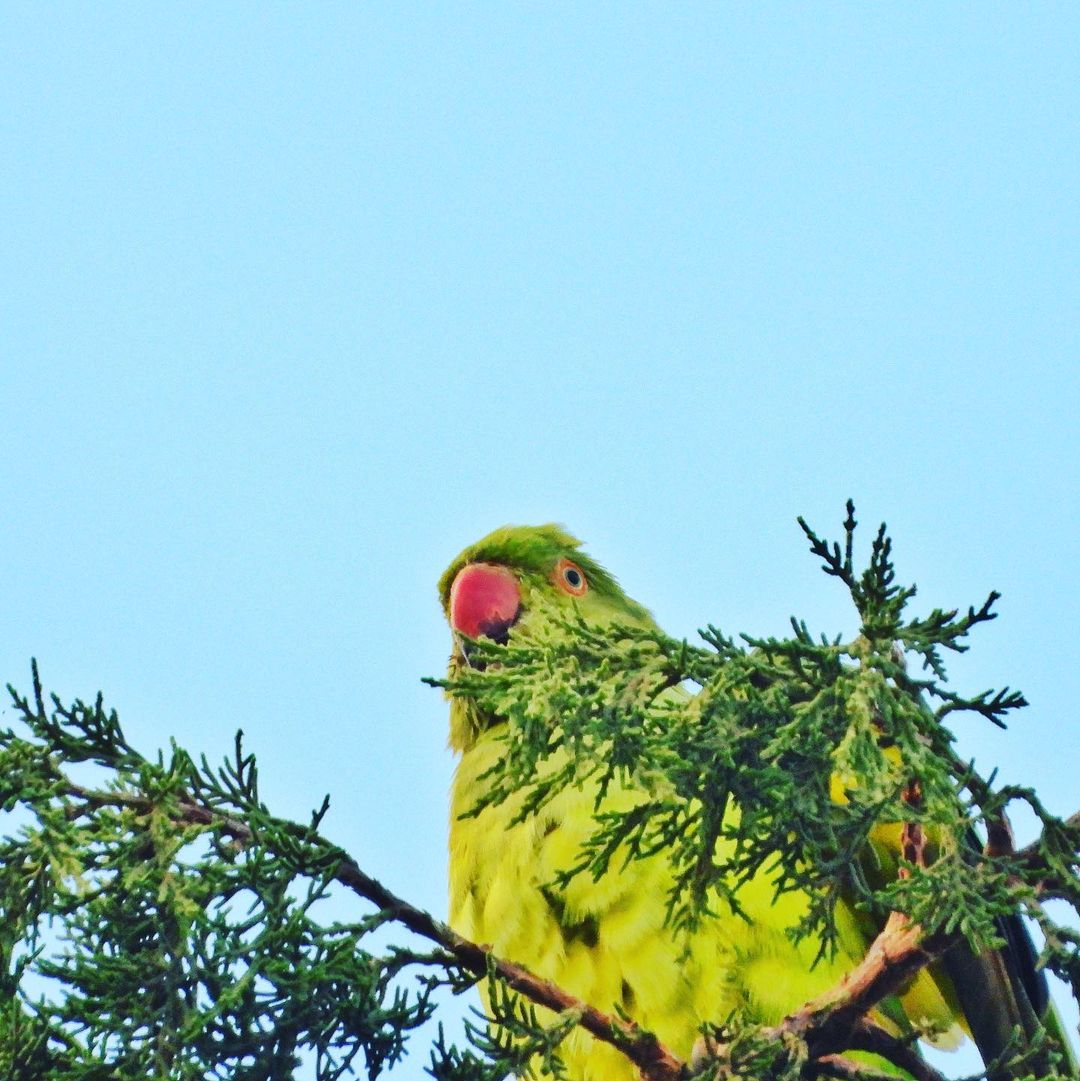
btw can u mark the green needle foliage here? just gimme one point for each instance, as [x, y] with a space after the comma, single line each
[158, 921]
[148, 935]
[771, 726]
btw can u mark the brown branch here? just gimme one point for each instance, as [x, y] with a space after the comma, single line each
[838, 1019]
[652, 1059]
[827, 1023]
[868, 1036]
[834, 1021]
[196, 814]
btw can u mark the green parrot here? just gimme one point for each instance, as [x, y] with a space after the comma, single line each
[606, 941]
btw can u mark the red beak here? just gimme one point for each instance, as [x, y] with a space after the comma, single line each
[484, 600]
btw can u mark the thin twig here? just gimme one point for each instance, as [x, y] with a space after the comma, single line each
[1030, 859]
[847, 1070]
[868, 1036]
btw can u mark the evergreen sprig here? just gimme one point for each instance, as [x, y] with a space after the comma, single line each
[162, 922]
[166, 925]
[814, 741]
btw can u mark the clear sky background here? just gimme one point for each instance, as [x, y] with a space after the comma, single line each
[299, 300]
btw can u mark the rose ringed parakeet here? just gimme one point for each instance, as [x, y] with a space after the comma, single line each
[606, 941]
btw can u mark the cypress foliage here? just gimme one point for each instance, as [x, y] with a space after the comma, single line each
[157, 920]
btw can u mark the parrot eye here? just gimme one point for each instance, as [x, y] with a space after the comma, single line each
[570, 578]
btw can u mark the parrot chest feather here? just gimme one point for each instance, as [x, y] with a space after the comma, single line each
[605, 941]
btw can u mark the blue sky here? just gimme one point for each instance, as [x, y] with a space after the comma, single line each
[299, 301]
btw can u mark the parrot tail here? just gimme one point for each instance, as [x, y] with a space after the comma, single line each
[1003, 992]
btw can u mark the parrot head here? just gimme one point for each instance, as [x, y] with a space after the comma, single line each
[516, 581]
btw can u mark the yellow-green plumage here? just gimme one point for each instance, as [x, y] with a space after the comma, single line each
[606, 941]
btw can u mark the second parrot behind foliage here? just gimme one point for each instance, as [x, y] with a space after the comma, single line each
[607, 941]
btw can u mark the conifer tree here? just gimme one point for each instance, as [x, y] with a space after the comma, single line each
[158, 920]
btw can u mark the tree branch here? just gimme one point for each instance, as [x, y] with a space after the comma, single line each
[835, 1021]
[831, 1021]
[1030, 859]
[652, 1059]
[868, 1036]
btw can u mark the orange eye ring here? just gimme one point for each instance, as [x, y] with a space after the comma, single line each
[570, 578]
